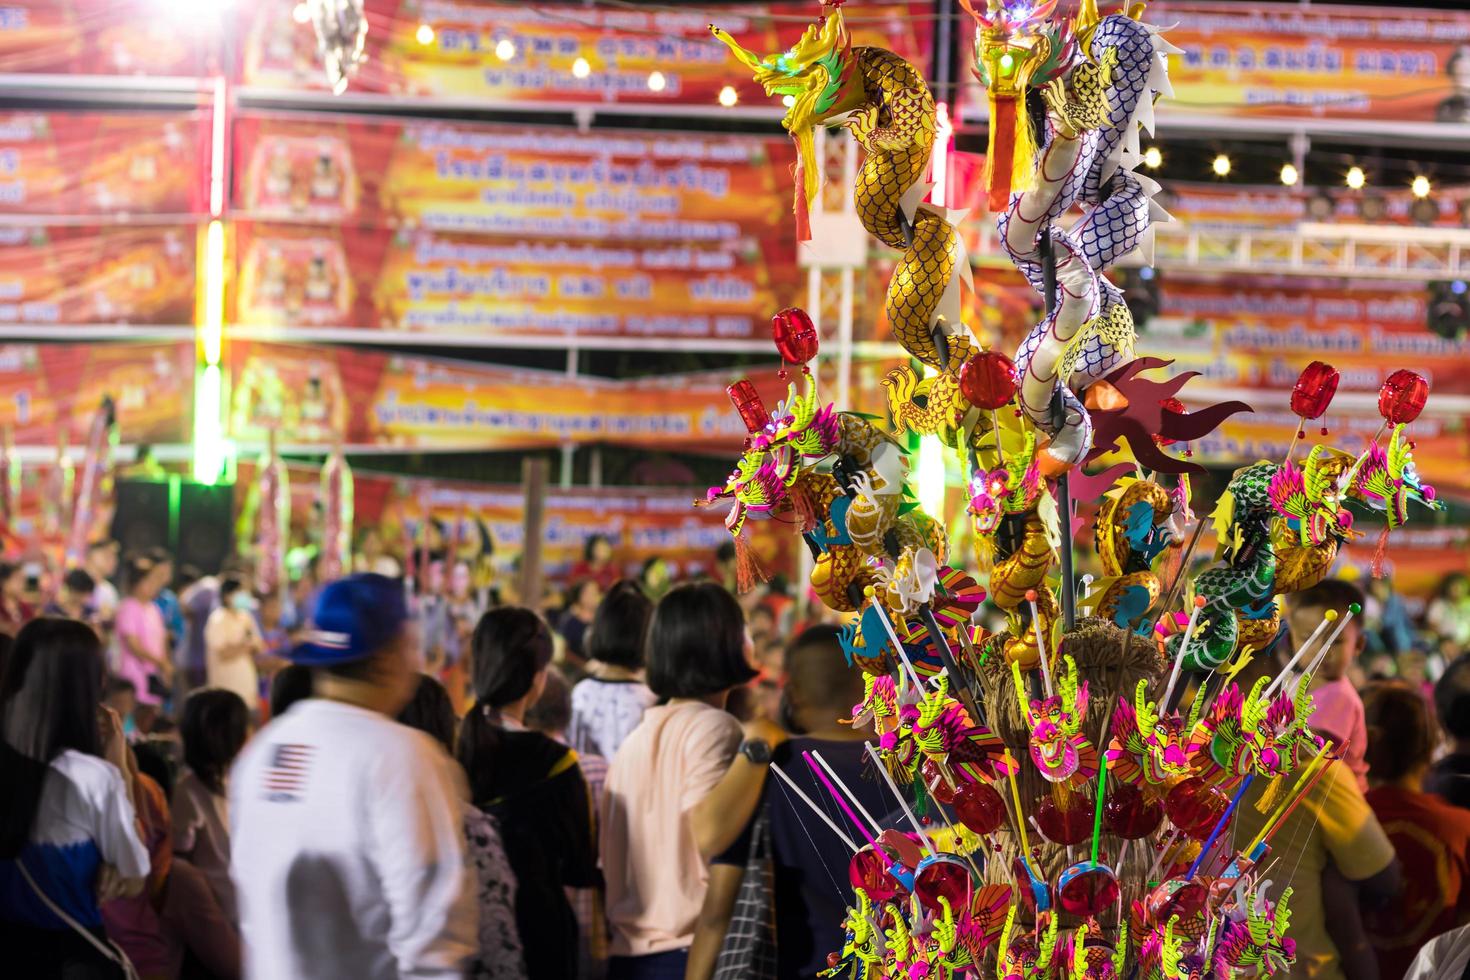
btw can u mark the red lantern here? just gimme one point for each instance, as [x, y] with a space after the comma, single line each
[988, 380]
[1402, 397]
[748, 403]
[1314, 390]
[795, 335]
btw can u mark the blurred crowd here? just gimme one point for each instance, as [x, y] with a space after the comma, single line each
[383, 777]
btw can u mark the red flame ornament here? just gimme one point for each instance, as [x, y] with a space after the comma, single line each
[988, 380]
[1314, 390]
[1402, 397]
[795, 336]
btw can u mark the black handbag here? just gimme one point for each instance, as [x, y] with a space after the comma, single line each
[749, 949]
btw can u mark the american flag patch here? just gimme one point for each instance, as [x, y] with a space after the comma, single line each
[286, 777]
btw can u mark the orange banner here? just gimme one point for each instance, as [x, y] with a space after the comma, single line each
[50, 276]
[1388, 64]
[48, 388]
[108, 37]
[1280, 209]
[427, 403]
[530, 53]
[512, 180]
[425, 282]
[71, 163]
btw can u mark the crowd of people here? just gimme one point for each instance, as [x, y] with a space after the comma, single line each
[353, 778]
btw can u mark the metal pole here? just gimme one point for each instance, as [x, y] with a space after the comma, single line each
[1064, 495]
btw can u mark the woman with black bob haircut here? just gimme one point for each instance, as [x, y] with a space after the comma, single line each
[661, 825]
[608, 704]
[68, 833]
[531, 785]
[215, 725]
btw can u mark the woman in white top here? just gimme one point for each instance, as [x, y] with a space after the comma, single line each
[609, 703]
[232, 641]
[68, 832]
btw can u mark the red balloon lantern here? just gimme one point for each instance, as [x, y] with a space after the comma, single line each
[988, 380]
[979, 807]
[795, 336]
[1402, 397]
[1314, 390]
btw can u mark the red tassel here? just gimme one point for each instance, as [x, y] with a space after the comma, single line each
[748, 570]
[1001, 153]
[1380, 552]
[804, 510]
[803, 216]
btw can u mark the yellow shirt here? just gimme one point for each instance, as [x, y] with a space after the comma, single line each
[1334, 821]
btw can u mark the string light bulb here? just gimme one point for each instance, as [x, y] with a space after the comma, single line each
[425, 34]
[788, 100]
[1221, 166]
[728, 96]
[1289, 174]
[505, 49]
[301, 13]
[581, 68]
[1153, 158]
[1356, 178]
[656, 81]
[1420, 187]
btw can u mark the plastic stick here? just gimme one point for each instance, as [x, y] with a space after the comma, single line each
[848, 792]
[897, 645]
[822, 778]
[1020, 820]
[1219, 826]
[791, 783]
[907, 812]
[1301, 781]
[1042, 653]
[1327, 619]
[1326, 647]
[1199, 603]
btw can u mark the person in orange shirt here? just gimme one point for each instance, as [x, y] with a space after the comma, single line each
[1432, 837]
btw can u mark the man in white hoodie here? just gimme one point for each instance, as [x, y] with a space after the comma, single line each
[347, 843]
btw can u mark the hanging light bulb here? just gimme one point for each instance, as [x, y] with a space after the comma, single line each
[301, 13]
[425, 34]
[1356, 178]
[581, 68]
[788, 100]
[1289, 174]
[505, 49]
[728, 96]
[1420, 187]
[1221, 166]
[1153, 158]
[656, 81]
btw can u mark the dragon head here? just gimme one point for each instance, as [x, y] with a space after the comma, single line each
[989, 490]
[818, 73]
[1165, 740]
[1055, 723]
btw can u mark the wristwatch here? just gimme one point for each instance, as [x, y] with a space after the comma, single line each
[757, 750]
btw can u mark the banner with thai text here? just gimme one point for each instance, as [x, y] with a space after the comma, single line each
[108, 274]
[558, 54]
[411, 403]
[109, 37]
[513, 180]
[429, 282]
[1386, 64]
[50, 390]
[85, 163]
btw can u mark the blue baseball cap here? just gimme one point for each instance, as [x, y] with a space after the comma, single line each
[354, 618]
